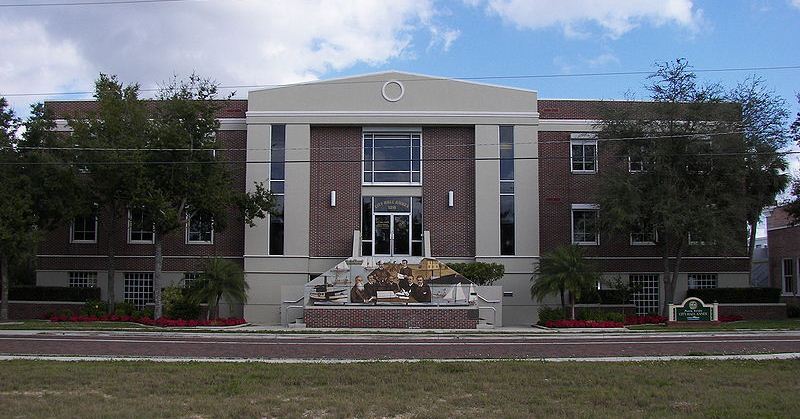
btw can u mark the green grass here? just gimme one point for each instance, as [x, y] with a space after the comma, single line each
[425, 389]
[789, 324]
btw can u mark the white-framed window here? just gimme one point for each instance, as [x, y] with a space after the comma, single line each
[584, 224]
[583, 153]
[189, 277]
[646, 297]
[140, 227]
[200, 229]
[696, 240]
[83, 229]
[700, 281]
[507, 216]
[82, 279]
[644, 237]
[392, 156]
[788, 282]
[138, 288]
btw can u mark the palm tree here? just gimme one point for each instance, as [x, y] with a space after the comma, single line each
[563, 269]
[219, 278]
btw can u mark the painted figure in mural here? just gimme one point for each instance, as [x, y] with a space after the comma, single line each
[371, 288]
[358, 294]
[420, 291]
[381, 274]
[394, 284]
[406, 276]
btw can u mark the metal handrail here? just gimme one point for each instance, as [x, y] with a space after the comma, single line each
[295, 301]
[494, 313]
[488, 301]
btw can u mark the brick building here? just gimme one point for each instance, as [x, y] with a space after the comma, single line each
[783, 238]
[392, 165]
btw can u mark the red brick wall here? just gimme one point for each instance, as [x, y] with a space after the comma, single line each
[392, 318]
[784, 243]
[452, 228]
[335, 156]
[228, 242]
[559, 189]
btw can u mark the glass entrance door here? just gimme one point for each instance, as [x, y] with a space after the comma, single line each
[392, 234]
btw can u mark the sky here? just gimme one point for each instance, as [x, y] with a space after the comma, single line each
[62, 48]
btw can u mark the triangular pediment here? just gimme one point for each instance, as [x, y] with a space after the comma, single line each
[391, 92]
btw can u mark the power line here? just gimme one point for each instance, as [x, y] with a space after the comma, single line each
[93, 3]
[428, 79]
[441, 159]
[423, 146]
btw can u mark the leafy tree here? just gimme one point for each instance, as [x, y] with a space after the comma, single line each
[563, 269]
[793, 207]
[111, 143]
[481, 273]
[36, 187]
[764, 117]
[220, 278]
[183, 175]
[692, 182]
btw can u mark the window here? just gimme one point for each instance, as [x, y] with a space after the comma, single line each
[584, 224]
[82, 279]
[583, 153]
[392, 157]
[696, 240]
[644, 237]
[646, 297]
[188, 277]
[200, 228]
[140, 226]
[507, 190]
[138, 288]
[84, 229]
[788, 277]
[700, 281]
[277, 182]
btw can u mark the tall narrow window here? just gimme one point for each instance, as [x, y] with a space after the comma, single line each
[277, 179]
[138, 288]
[506, 190]
[646, 296]
[583, 153]
[788, 277]
[84, 228]
[392, 157]
[140, 226]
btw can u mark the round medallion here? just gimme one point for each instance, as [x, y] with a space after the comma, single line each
[392, 90]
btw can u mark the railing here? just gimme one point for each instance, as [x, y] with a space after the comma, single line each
[494, 313]
[288, 310]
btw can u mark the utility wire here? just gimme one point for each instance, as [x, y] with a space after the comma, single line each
[92, 3]
[423, 146]
[442, 159]
[427, 79]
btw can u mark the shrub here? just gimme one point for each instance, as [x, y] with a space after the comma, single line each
[65, 312]
[94, 308]
[599, 315]
[53, 294]
[731, 318]
[793, 310]
[582, 324]
[148, 312]
[648, 319]
[124, 308]
[179, 305]
[736, 295]
[481, 273]
[547, 314]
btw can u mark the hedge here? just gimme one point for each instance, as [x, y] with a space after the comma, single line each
[736, 295]
[53, 294]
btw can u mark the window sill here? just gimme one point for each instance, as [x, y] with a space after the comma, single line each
[643, 243]
[584, 172]
[586, 243]
[83, 241]
[199, 242]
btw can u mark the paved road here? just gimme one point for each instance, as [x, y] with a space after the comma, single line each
[339, 347]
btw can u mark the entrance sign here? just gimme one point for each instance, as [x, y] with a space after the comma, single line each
[693, 309]
[392, 204]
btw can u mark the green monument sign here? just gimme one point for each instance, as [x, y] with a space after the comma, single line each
[693, 310]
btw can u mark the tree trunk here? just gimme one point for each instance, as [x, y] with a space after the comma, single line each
[216, 306]
[112, 262]
[666, 281]
[572, 304]
[563, 301]
[751, 246]
[5, 284]
[159, 259]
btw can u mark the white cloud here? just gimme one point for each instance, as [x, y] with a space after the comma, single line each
[614, 17]
[234, 42]
[796, 3]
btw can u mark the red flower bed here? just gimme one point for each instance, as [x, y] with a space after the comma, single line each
[632, 320]
[582, 323]
[163, 322]
[732, 318]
